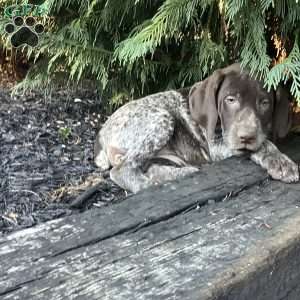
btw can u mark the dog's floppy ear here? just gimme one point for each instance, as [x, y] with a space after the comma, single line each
[282, 115]
[203, 102]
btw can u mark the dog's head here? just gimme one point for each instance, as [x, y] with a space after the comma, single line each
[239, 106]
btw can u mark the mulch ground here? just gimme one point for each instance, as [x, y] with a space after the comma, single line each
[46, 150]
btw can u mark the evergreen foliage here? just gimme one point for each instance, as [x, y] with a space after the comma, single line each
[136, 47]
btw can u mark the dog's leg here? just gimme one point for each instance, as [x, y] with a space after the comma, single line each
[130, 178]
[134, 180]
[135, 144]
[100, 157]
[160, 173]
[278, 165]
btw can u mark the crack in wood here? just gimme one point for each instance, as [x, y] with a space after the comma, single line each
[295, 288]
[20, 285]
[184, 209]
[156, 245]
[148, 222]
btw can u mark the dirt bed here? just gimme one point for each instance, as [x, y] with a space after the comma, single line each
[46, 148]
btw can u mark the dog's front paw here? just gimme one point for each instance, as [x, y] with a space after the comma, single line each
[280, 167]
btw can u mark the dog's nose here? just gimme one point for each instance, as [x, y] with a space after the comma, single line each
[247, 138]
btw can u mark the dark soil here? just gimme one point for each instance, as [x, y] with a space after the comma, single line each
[46, 148]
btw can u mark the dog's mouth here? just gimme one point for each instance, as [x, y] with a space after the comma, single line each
[247, 147]
[242, 146]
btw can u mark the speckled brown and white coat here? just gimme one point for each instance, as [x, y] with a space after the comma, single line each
[168, 135]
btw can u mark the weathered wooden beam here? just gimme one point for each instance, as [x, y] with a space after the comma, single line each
[225, 233]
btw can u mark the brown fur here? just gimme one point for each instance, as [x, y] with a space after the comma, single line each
[182, 127]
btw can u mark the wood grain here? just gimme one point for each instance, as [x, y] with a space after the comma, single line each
[227, 232]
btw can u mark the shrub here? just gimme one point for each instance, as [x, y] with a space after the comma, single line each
[136, 47]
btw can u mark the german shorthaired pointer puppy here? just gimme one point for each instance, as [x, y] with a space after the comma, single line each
[168, 135]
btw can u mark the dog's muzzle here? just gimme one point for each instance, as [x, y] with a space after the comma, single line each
[246, 132]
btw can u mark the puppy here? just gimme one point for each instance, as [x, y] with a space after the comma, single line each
[168, 135]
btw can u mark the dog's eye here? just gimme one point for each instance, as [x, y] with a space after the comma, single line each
[265, 103]
[230, 99]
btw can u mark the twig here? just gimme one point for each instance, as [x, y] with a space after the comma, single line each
[82, 198]
[27, 191]
[9, 220]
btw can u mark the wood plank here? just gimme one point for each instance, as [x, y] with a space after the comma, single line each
[166, 244]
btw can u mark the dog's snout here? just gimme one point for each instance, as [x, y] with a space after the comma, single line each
[247, 115]
[247, 127]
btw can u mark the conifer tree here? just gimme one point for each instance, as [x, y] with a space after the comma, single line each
[136, 47]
